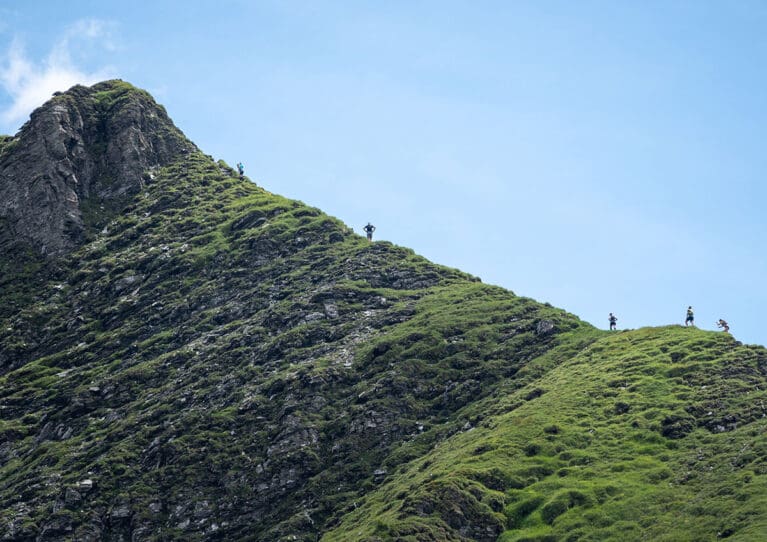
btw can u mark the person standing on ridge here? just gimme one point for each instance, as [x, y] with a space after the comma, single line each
[369, 229]
[241, 169]
[613, 322]
[690, 320]
[721, 323]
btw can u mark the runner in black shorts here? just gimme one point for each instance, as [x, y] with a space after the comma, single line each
[690, 320]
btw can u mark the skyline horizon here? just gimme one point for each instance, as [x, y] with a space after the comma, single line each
[602, 158]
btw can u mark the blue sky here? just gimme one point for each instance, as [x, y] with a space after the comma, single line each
[599, 155]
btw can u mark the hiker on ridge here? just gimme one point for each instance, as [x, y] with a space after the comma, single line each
[241, 168]
[690, 320]
[721, 323]
[369, 229]
[613, 321]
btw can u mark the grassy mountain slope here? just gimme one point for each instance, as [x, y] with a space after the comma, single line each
[655, 434]
[216, 362]
[223, 362]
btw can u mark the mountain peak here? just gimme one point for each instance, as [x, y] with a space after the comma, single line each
[76, 161]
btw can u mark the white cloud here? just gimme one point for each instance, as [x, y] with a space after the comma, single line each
[30, 84]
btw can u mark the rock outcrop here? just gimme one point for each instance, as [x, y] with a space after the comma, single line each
[76, 160]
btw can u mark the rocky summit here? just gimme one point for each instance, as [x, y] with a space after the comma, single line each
[83, 151]
[186, 356]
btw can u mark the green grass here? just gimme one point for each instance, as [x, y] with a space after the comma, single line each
[7, 144]
[590, 472]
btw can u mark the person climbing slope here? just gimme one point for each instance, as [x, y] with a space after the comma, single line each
[369, 229]
[690, 320]
[722, 324]
[613, 322]
[240, 168]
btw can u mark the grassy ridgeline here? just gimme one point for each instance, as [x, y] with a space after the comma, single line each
[654, 434]
[212, 323]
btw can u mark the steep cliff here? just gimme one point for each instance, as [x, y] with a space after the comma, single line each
[204, 360]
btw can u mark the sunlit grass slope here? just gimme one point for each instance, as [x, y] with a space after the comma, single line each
[218, 362]
[654, 434]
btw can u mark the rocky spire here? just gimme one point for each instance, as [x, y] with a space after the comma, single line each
[80, 156]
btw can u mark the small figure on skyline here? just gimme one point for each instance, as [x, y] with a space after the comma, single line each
[721, 323]
[613, 322]
[369, 229]
[690, 320]
[241, 169]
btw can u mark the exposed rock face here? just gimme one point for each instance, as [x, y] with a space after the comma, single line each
[76, 157]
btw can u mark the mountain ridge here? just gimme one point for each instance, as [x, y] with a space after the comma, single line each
[209, 361]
